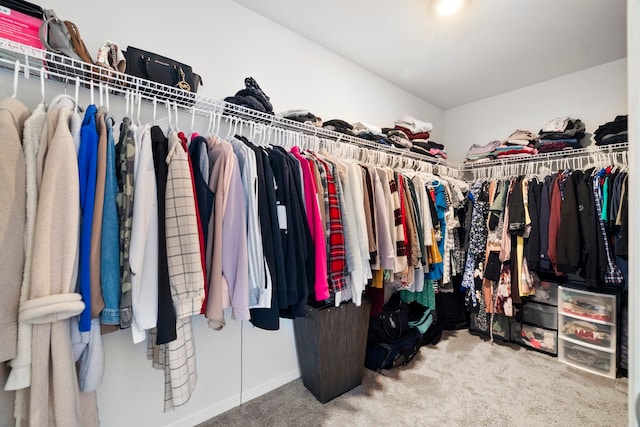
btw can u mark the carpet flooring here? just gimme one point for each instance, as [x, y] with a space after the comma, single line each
[463, 381]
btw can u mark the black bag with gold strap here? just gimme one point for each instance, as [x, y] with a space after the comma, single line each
[160, 69]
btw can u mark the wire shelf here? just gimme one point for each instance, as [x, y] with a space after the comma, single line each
[68, 70]
[591, 150]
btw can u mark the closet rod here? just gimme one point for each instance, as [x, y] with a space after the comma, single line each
[69, 70]
[525, 158]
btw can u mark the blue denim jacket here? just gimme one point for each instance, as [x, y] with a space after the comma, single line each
[110, 243]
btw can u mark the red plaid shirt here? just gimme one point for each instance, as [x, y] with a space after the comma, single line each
[336, 257]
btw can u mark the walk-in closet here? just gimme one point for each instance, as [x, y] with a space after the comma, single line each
[278, 213]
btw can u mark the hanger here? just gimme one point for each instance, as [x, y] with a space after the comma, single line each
[229, 122]
[168, 113]
[106, 96]
[210, 127]
[193, 119]
[100, 94]
[138, 112]
[42, 85]
[16, 72]
[175, 117]
[155, 107]
[77, 96]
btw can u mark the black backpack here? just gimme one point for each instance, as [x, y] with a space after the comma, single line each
[388, 355]
[391, 341]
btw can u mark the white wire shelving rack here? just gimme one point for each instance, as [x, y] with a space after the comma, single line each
[69, 71]
[612, 154]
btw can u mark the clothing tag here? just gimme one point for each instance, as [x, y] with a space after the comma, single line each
[282, 217]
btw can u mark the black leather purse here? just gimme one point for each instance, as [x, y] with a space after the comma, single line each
[160, 69]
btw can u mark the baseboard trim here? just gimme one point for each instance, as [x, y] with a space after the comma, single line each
[235, 401]
[207, 413]
[261, 389]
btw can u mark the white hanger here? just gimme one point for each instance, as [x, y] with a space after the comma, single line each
[77, 95]
[138, 112]
[16, 72]
[175, 117]
[106, 96]
[210, 127]
[91, 92]
[155, 107]
[42, 85]
[127, 98]
[229, 122]
[168, 113]
[100, 94]
[26, 67]
[193, 118]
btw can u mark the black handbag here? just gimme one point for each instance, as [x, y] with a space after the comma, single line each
[390, 325]
[160, 69]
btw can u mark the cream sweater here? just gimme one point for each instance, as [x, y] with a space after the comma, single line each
[54, 395]
[12, 221]
[20, 376]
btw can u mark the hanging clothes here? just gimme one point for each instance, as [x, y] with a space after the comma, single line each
[166, 324]
[126, 154]
[20, 374]
[144, 245]
[52, 299]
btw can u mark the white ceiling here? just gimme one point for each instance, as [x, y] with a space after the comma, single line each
[490, 47]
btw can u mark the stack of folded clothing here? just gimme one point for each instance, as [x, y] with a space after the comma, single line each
[413, 126]
[614, 132]
[370, 132]
[481, 153]
[521, 137]
[338, 125]
[519, 143]
[251, 97]
[409, 132]
[397, 137]
[430, 148]
[561, 133]
[302, 116]
[513, 151]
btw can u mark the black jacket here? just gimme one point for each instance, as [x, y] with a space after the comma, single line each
[166, 311]
[570, 241]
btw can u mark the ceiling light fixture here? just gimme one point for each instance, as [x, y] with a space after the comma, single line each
[449, 7]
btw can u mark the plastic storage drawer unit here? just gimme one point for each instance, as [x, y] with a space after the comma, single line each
[587, 305]
[540, 314]
[588, 332]
[547, 293]
[588, 358]
[538, 338]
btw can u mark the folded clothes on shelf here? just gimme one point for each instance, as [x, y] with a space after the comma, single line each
[413, 125]
[302, 116]
[338, 125]
[251, 97]
[613, 132]
[574, 128]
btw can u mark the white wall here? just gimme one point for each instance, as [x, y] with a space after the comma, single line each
[225, 43]
[595, 95]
